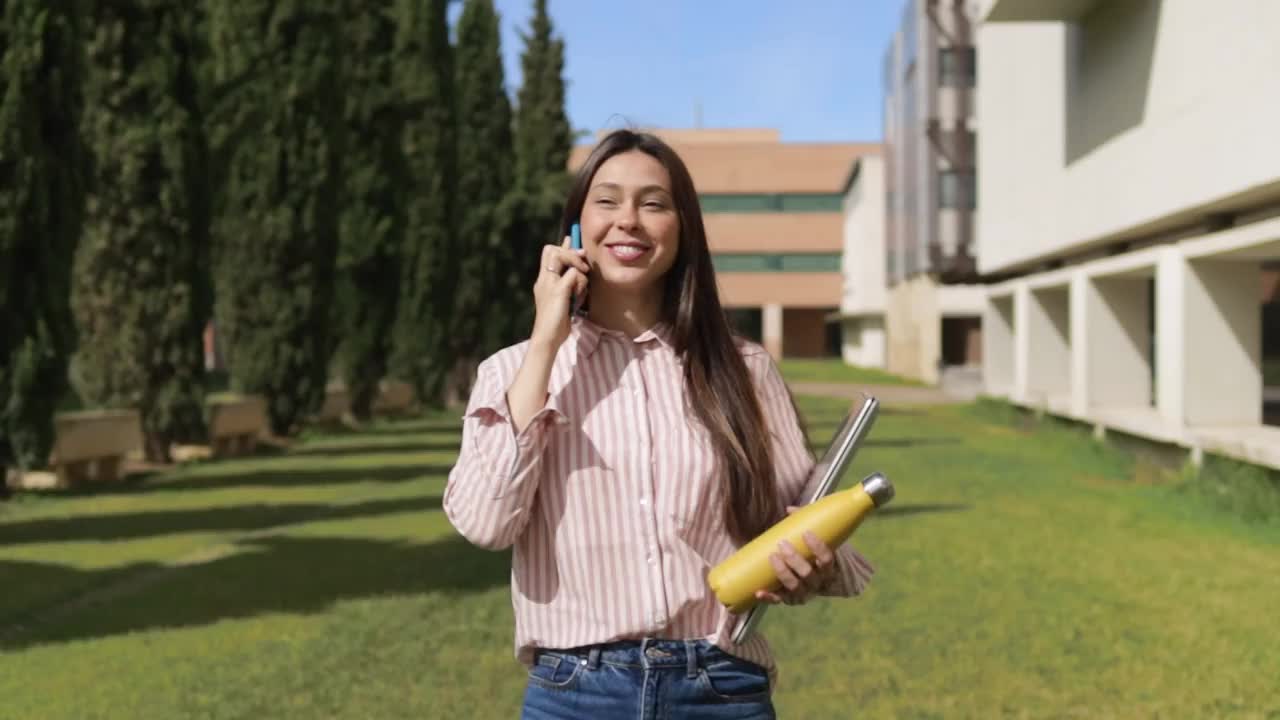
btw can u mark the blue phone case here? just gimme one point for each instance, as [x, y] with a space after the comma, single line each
[575, 243]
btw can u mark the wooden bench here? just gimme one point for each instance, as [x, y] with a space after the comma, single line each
[235, 424]
[337, 402]
[92, 444]
[395, 397]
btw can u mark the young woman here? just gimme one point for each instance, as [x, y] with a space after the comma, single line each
[628, 449]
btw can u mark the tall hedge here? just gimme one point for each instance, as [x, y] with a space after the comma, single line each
[43, 174]
[139, 286]
[277, 228]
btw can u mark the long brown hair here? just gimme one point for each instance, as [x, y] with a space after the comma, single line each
[718, 386]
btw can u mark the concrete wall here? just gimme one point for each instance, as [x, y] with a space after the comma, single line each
[914, 327]
[863, 263]
[763, 232]
[997, 346]
[962, 300]
[1164, 343]
[1048, 373]
[1118, 370]
[792, 289]
[864, 342]
[1173, 97]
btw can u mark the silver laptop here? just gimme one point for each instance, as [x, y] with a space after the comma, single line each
[823, 480]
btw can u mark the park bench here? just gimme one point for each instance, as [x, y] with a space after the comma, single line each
[92, 444]
[236, 423]
[337, 401]
[395, 397]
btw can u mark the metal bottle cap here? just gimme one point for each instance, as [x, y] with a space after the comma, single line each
[879, 488]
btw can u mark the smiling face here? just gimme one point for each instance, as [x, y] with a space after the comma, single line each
[630, 226]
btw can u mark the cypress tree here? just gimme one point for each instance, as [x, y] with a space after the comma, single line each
[372, 218]
[423, 351]
[482, 299]
[277, 231]
[543, 140]
[139, 288]
[43, 173]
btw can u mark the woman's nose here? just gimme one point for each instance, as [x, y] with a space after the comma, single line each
[627, 217]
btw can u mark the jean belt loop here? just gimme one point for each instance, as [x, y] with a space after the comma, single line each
[593, 659]
[691, 658]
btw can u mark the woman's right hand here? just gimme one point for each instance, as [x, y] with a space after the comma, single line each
[562, 280]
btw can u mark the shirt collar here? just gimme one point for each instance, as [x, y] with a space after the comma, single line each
[588, 335]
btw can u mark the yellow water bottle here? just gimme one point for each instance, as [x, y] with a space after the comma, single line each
[833, 519]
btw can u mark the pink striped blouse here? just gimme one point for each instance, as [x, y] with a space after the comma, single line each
[611, 495]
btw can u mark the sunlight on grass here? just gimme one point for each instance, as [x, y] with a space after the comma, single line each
[833, 370]
[1020, 573]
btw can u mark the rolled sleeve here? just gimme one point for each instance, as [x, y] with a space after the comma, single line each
[505, 453]
[492, 486]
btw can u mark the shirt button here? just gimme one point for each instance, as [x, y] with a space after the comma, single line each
[643, 502]
[652, 561]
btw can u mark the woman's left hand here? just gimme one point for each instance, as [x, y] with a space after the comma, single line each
[801, 579]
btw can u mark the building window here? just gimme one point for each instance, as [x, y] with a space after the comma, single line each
[956, 67]
[956, 189]
[771, 202]
[789, 262]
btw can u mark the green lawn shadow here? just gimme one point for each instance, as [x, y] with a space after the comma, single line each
[298, 575]
[134, 525]
[279, 477]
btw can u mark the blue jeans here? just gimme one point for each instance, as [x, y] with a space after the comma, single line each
[646, 680]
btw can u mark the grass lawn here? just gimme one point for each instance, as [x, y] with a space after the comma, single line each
[1021, 574]
[834, 370]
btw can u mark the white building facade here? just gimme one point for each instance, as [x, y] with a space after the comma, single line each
[934, 305]
[1130, 188]
[862, 266]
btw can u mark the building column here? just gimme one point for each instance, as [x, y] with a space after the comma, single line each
[1079, 294]
[1209, 341]
[1021, 342]
[1171, 270]
[771, 330]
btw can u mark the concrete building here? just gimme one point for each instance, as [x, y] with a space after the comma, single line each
[934, 306]
[773, 217]
[862, 266]
[1130, 193]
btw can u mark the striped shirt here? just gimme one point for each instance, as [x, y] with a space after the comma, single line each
[612, 494]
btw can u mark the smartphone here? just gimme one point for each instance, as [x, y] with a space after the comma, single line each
[823, 480]
[575, 243]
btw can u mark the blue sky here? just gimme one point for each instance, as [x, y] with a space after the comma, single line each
[810, 68]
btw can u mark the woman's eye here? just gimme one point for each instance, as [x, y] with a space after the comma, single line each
[654, 204]
[605, 201]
